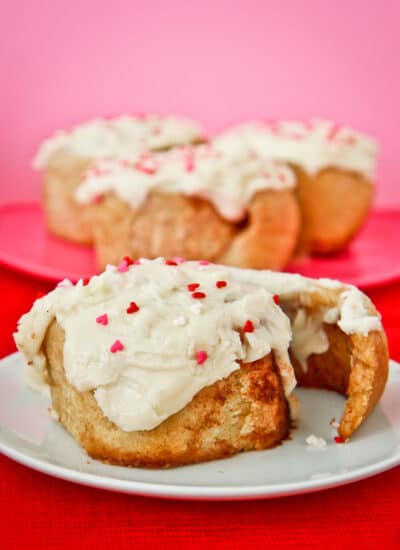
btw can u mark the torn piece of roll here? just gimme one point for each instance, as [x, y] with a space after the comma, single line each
[162, 363]
[65, 156]
[335, 167]
[193, 202]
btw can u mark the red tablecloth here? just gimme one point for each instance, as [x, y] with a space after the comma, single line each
[40, 511]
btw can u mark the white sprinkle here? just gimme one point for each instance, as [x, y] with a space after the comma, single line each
[180, 321]
[196, 308]
[315, 442]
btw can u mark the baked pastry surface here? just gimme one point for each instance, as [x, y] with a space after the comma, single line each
[189, 378]
[245, 411]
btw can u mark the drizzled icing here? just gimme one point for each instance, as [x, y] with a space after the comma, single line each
[120, 137]
[172, 345]
[167, 351]
[228, 182]
[313, 145]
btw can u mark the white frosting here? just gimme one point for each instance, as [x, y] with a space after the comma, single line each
[228, 182]
[308, 336]
[156, 373]
[125, 136]
[313, 145]
[315, 442]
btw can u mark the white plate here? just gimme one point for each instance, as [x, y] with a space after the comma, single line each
[31, 437]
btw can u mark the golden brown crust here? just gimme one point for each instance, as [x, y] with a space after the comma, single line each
[166, 225]
[354, 365]
[66, 218]
[271, 235]
[334, 204]
[176, 225]
[245, 411]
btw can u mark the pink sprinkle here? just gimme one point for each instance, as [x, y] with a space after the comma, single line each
[282, 177]
[179, 260]
[102, 319]
[201, 357]
[332, 132]
[204, 262]
[97, 199]
[189, 161]
[123, 266]
[100, 172]
[156, 131]
[137, 262]
[145, 168]
[117, 346]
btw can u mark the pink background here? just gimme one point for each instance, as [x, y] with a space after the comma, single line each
[220, 61]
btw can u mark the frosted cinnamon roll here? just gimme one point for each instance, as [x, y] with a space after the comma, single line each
[193, 202]
[335, 168]
[65, 156]
[160, 363]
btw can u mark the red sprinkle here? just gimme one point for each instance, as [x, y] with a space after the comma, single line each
[102, 319]
[339, 439]
[85, 281]
[133, 308]
[170, 262]
[276, 299]
[192, 286]
[117, 346]
[198, 295]
[220, 284]
[128, 260]
[201, 357]
[248, 326]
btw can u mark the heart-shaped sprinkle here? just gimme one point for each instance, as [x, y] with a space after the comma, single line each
[198, 295]
[193, 286]
[102, 319]
[248, 326]
[201, 357]
[116, 346]
[133, 308]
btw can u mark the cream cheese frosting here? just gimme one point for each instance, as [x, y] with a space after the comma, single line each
[313, 145]
[120, 137]
[228, 181]
[146, 338]
[148, 363]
